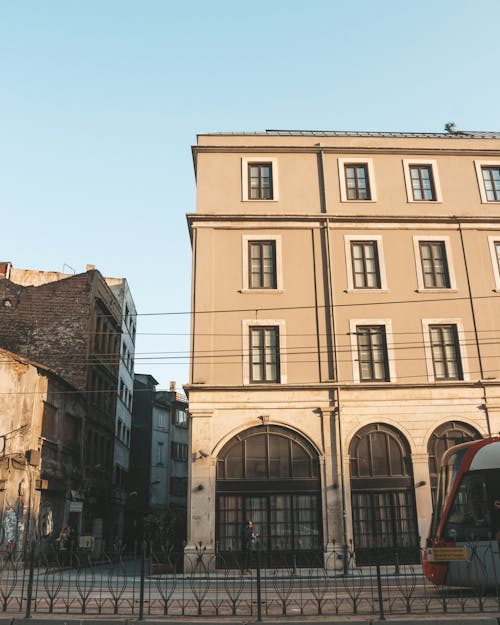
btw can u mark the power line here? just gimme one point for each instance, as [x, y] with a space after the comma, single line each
[451, 384]
[311, 306]
[291, 350]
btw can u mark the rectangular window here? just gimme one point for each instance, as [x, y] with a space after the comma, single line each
[357, 182]
[49, 422]
[179, 451]
[365, 265]
[434, 264]
[491, 180]
[494, 245]
[445, 352]
[161, 418]
[159, 453]
[262, 264]
[264, 354]
[422, 183]
[372, 354]
[181, 418]
[260, 181]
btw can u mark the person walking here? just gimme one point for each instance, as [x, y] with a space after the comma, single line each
[249, 540]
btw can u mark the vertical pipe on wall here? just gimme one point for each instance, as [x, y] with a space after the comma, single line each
[471, 300]
[332, 344]
[193, 301]
[474, 322]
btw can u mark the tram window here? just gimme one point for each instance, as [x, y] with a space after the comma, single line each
[469, 514]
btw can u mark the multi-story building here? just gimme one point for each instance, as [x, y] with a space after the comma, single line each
[344, 324]
[41, 463]
[158, 463]
[123, 423]
[72, 324]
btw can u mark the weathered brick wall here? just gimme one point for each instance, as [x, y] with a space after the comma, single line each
[49, 324]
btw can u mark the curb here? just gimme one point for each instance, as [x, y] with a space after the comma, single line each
[63, 619]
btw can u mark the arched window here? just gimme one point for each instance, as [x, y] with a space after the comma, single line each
[382, 494]
[269, 474]
[445, 436]
[267, 453]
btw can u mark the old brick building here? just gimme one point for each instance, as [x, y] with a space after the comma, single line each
[72, 324]
[41, 463]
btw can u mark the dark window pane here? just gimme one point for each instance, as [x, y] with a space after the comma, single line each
[396, 459]
[234, 463]
[256, 457]
[380, 461]
[301, 461]
[279, 457]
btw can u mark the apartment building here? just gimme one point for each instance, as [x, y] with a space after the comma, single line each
[158, 464]
[344, 334]
[125, 391]
[72, 324]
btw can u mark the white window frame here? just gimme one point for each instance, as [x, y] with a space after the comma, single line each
[245, 240]
[480, 180]
[348, 239]
[342, 162]
[449, 261]
[246, 324]
[248, 160]
[407, 162]
[391, 361]
[492, 240]
[181, 423]
[461, 344]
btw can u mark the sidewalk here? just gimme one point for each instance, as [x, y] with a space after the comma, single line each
[64, 619]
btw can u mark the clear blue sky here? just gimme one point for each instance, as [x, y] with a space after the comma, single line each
[101, 100]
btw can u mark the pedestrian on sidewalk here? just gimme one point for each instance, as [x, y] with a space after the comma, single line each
[249, 543]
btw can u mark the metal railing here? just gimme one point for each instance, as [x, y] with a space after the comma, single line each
[164, 582]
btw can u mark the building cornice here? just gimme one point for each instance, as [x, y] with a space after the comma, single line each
[343, 149]
[382, 387]
[319, 218]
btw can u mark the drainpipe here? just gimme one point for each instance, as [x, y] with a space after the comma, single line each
[485, 407]
[471, 301]
[193, 301]
[335, 392]
[476, 335]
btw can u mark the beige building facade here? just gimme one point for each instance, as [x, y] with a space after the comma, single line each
[345, 330]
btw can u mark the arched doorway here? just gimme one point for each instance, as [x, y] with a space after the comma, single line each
[269, 474]
[445, 436]
[384, 515]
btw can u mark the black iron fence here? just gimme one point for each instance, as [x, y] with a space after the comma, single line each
[149, 582]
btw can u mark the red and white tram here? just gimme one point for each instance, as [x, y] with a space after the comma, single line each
[463, 544]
